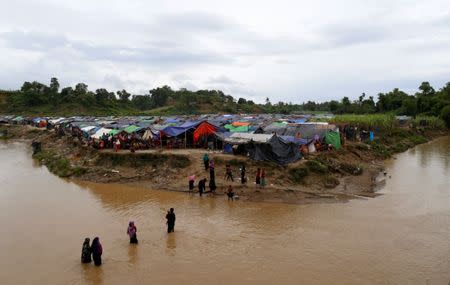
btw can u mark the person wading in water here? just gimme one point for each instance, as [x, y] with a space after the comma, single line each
[202, 186]
[86, 251]
[131, 231]
[97, 251]
[230, 193]
[170, 221]
[191, 183]
[212, 186]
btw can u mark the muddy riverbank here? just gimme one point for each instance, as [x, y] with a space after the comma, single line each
[322, 177]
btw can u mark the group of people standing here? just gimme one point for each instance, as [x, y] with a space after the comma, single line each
[94, 251]
[260, 178]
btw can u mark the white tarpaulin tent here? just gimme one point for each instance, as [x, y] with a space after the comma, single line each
[55, 121]
[88, 128]
[100, 133]
[242, 138]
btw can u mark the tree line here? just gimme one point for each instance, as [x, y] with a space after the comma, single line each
[427, 101]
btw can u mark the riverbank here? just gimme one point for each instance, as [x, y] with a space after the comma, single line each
[332, 176]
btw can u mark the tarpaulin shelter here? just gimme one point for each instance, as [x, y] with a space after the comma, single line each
[334, 139]
[297, 141]
[132, 129]
[204, 129]
[18, 119]
[239, 129]
[278, 128]
[172, 120]
[99, 133]
[240, 124]
[174, 131]
[88, 128]
[309, 130]
[243, 138]
[276, 150]
[114, 132]
[298, 121]
[55, 121]
[148, 134]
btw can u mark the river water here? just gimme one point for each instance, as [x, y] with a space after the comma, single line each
[400, 237]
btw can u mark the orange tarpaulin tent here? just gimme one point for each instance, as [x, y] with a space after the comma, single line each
[240, 124]
[204, 129]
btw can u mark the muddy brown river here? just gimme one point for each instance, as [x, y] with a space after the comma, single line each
[400, 237]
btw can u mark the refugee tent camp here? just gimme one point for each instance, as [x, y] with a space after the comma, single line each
[276, 138]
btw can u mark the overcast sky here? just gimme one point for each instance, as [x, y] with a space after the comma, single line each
[285, 50]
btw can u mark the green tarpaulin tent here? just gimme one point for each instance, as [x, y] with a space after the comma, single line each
[334, 139]
[131, 129]
[240, 129]
[114, 132]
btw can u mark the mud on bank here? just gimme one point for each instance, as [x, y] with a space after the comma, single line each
[321, 177]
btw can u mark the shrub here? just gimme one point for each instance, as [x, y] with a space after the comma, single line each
[430, 122]
[417, 139]
[179, 162]
[445, 115]
[330, 181]
[298, 174]
[316, 166]
[380, 150]
[78, 170]
[384, 122]
[351, 168]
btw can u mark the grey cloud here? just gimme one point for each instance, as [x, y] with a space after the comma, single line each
[193, 21]
[222, 79]
[151, 55]
[345, 35]
[32, 41]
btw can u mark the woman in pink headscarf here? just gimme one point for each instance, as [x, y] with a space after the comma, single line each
[131, 231]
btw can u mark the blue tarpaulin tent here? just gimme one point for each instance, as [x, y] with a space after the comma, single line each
[174, 131]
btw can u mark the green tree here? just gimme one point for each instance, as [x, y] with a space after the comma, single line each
[445, 115]
[242, 101]
[54, 84]
[67, 92]
[80, 89]
[160, 95]
[102, 95]
[427, 89]
[142, 102]
[123, 95]
[409, 106]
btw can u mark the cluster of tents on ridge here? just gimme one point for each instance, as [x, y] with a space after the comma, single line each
[277, 138]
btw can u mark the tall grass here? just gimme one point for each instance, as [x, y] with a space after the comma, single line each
[431, 122]
[373, 121]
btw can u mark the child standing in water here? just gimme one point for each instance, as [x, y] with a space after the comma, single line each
[230, 193]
